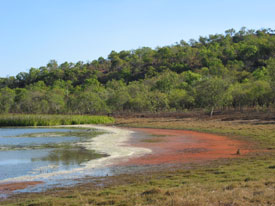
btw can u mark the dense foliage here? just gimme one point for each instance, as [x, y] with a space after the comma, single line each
[231, 70]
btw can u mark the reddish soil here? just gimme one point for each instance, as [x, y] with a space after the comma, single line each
[9, 187]
[180, 146]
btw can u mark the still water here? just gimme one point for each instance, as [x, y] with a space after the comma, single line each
[34, 152]
[13, 137]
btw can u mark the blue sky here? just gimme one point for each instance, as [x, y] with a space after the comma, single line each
[32, 32]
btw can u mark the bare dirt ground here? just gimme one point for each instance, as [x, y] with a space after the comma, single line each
[9, 187]
[181, 146]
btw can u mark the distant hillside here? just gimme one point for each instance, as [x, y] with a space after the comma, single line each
[231, 70]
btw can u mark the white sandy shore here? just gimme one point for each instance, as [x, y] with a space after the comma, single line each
[113, 143]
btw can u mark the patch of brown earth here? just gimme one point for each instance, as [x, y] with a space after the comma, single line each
[9, 187]
[181, 146]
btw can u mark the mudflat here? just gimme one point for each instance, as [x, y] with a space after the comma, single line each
[182, 146]
[9, 187]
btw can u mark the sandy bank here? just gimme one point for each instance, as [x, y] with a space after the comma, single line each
[113, 143]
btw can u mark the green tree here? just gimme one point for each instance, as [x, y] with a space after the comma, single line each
[212, 92]
[56, 100]
[89, 103]
[7, 96]
[166, 81]
[180, 99]
[271, 73]
[159, 101]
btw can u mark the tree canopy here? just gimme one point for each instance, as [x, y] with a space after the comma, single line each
[231, 70]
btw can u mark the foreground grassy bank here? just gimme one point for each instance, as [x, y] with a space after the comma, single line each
[246, 181]
[51, 120]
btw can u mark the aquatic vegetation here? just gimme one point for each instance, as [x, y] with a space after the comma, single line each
[82, 133]
[51, 120]
[54, 139]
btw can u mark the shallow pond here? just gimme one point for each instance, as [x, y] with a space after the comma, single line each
[35, 152]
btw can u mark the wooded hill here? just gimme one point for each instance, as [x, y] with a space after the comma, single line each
[231, 70]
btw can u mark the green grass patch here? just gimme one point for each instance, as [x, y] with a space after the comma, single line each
[51, 120]
[226, 182]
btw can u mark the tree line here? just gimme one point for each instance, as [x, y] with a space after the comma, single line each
[230, 70]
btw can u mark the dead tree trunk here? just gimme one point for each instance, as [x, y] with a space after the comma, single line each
[212, 111]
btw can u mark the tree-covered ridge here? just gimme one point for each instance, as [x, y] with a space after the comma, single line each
[235, 69]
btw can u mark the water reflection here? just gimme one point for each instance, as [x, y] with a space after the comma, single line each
[73, 156]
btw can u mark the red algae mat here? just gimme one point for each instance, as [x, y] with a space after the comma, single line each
[181, 146]
[9, 187]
